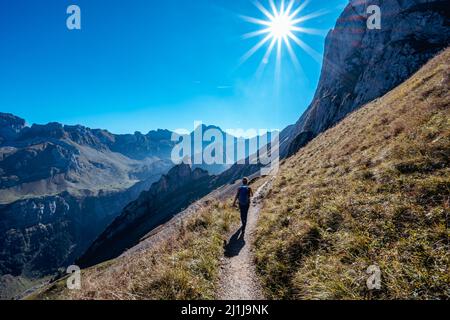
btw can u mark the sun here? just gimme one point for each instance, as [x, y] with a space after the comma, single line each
[281, 26]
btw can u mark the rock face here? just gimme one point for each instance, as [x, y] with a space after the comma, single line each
[10, 126]
[167, 197]
[40, 235]
[139, 146]
[361, 65]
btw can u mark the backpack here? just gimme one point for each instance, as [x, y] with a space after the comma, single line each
[244, 195]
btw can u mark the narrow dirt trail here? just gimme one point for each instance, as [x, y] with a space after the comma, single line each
[238, 279]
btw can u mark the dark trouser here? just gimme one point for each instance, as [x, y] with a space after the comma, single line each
[244, 213]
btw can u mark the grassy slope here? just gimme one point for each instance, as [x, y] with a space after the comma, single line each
[372, 190]
[12, 286]
[183, 267]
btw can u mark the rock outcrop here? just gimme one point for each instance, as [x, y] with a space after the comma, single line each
[10, 126]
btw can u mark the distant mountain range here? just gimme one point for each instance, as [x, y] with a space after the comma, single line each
[61, 186]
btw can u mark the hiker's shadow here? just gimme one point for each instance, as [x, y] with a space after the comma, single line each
[235, 244]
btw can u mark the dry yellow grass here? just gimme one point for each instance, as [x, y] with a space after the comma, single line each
[183, 267]
[374, 190]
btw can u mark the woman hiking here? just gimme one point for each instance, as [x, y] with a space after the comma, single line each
[244, 195]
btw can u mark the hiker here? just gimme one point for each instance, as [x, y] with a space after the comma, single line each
[244, 195]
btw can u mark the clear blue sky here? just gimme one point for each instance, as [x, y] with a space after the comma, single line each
[140, 65]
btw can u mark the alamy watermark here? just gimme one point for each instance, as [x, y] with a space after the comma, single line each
[374, 18]
[212, 146]
[374, 280]
[73, 22]
[74, 280]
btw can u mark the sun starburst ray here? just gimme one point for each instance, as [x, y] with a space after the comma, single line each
[307, 31]
[313, 53]
[253, 50]
[274, 8]
[266, 57]
[256, 33]
[256, 21]
[289, 8]
[263, 10]
[299, 9]
[278, 61]
[282, 8]
[310, 16]
[291, 52]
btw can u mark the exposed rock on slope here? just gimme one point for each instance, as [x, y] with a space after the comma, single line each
[10, 126]
[40, 235]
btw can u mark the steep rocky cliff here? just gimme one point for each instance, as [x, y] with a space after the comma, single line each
[361, 64]
[10, 126]
[40, 235]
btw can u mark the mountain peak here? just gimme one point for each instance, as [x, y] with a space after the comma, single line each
[10, 126]
[10, 119]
